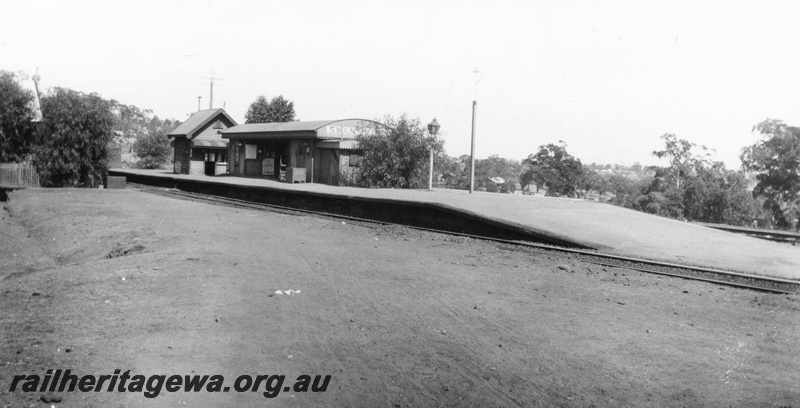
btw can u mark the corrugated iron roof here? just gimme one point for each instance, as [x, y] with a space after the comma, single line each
[281, 130]
[311, 125]
[197, 121]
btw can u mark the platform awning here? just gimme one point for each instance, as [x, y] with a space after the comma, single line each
[221, 144]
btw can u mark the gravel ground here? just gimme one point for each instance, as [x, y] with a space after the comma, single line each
[96, 280]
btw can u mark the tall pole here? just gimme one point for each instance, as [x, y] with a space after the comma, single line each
[211, 97]
[211, 80]
[433, 129]
[37, 101]
[430, 169]
[472, 151]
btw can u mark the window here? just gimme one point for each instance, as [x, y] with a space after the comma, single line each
[250, 151]
[212, 156]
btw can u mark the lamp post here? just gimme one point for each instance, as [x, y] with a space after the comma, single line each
[433, 129]
[472, 149]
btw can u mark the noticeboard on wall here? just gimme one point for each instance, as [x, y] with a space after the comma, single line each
[268, 167]
[250, 151]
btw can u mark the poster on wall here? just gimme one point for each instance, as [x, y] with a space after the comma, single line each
[249, 151]
[268, 167]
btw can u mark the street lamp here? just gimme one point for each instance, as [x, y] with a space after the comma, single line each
[433, 129]
[472, 149]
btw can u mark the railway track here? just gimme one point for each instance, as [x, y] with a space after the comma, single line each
[715, 276]
[771, 235]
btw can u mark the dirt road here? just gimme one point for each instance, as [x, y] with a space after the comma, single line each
[96, 281]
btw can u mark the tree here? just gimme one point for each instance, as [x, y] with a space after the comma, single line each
[509, 186]
[130, 120]
[553, 169]
[655, 202]
[695, 188]
[776, 160]
[720, 196]
[627, 190]
[76, 131]
[278, 109]
[153, 148]
[740, 207]
[591, 180]
[454, 171]
[153, 151]
[396, 153]
[666, 195]
[496, 166]
[16, 115]
[682, 161]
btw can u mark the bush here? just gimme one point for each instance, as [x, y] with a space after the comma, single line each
[153, 151]
[396, 154]
[76, 132]
[16, 129]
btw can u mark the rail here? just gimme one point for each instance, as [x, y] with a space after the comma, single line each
[772, 235]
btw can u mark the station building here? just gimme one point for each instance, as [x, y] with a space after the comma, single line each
[199, 149]
[324, 151]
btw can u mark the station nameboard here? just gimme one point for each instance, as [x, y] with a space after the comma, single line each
[342, 131]
[347, 129]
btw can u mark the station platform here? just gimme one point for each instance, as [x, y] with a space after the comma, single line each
[561, 221]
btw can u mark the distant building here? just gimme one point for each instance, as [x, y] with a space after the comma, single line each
[199, 149]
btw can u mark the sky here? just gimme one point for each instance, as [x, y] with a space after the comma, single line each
[608, 78]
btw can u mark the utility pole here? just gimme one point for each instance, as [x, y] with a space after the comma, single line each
[36, 78]
[211, 80]
[37, 101]
[472, 149]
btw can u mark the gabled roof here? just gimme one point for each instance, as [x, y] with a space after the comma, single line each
[198, 121]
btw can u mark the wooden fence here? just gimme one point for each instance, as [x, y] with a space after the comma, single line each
[18, 174]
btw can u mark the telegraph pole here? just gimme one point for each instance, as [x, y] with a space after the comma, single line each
[37, 101]
[472, 149]
[211, 80]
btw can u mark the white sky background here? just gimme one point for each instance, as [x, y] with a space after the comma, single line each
[607, 77]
